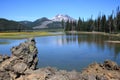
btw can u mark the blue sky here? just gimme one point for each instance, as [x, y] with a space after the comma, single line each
[33, 9]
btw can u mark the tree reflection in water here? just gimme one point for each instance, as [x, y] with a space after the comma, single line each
[90, 39]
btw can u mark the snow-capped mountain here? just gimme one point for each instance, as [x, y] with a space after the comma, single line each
[61, 17]
[44, 22]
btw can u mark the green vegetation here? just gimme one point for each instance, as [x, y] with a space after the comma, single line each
[110, 24]
[21, 35]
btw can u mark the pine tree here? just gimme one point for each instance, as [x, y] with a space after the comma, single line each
[103, 23]
[110, 23]
[74, 25]
[95, 25]
[90, 25]
[63, 23]
[99, 23]
[70, 26]
[79, 24]
[115, 24]
[67, 26]
[118, 19]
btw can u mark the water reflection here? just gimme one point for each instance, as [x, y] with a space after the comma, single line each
[4, 41]
[70, 51]
[91, 40]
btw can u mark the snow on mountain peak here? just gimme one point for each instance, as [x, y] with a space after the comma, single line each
[61, 17]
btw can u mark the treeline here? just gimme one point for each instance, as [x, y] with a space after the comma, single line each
[9, 25]
[109, 24]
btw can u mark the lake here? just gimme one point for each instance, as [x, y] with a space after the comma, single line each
[69, 51]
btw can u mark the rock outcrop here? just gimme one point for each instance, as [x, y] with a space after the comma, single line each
[109, 70]
[95, 71]
[26, 54]
[21, 65]
[23, 58]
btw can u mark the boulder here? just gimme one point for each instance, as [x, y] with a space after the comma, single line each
[110, 65]
[20, 67]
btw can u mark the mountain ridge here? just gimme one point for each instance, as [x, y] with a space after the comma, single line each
[41, 23]
[44, 22]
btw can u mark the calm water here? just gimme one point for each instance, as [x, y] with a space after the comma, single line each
[71, 51]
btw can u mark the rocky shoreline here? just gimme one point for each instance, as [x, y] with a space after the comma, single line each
[22, 63]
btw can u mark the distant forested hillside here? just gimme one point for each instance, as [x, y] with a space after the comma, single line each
[9, 25]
